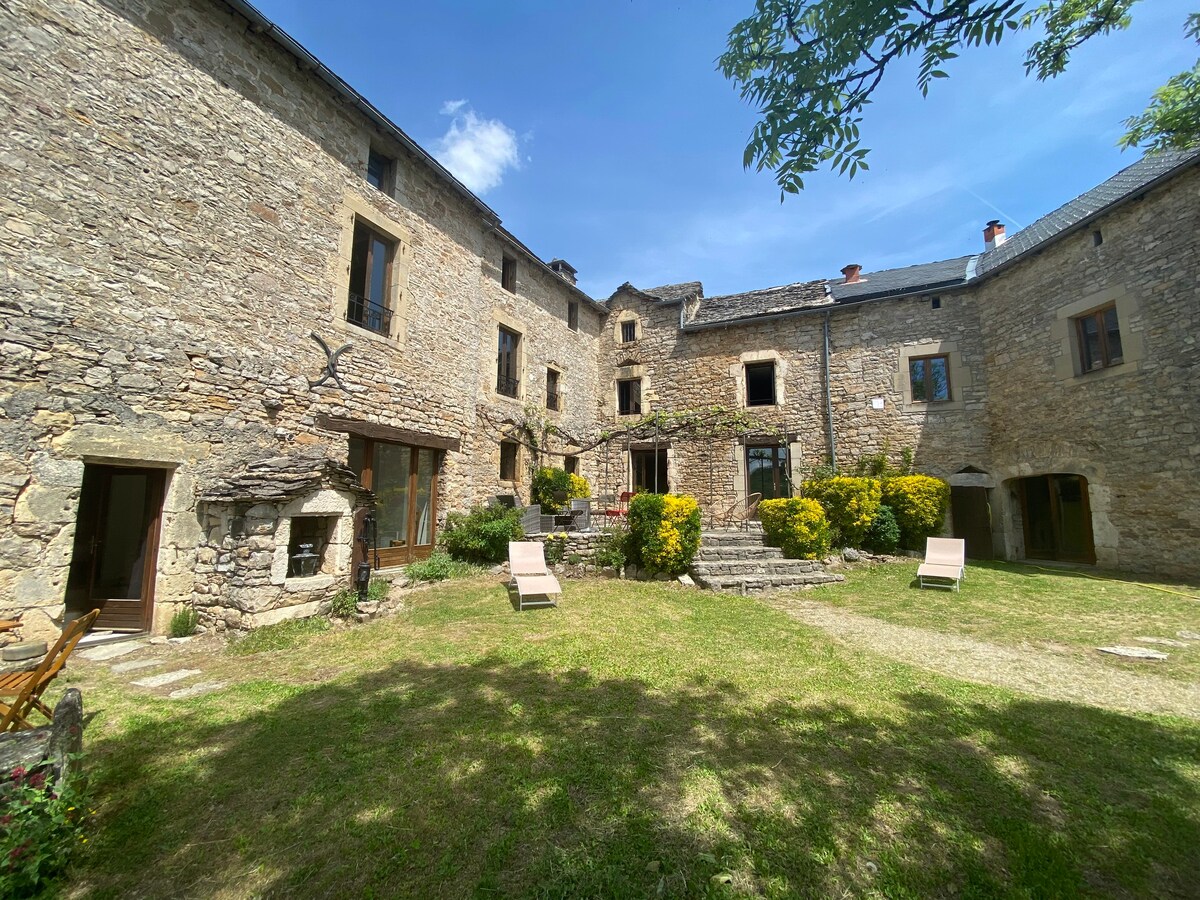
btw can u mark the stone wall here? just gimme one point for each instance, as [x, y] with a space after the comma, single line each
[180, 197]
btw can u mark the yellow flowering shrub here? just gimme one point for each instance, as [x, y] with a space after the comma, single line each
[797, 525]
[850, 505]
[920, 503]
[664, 532]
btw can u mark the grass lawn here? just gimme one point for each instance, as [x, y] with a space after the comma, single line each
[1015, 604]
[641, 740]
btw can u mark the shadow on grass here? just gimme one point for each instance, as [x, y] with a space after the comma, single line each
[496, 779]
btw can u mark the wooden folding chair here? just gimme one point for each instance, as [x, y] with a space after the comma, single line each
[27, 687]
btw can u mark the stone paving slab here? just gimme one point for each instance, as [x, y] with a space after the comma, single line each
[112, 651]
[195, 690]
[165, 678]
[1133, 652]
[134, 665]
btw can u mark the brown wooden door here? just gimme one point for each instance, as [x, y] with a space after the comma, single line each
[404, 480]
[1057, 518]
[972, 520]
[114, 561]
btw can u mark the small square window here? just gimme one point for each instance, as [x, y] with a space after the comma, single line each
[379, 171]
[760, 384]
[508, 274]
[629, 397]
[929, 378]
[573, 315]
[553, 401]
[508, 460]
[628, 332]
[1099, 336]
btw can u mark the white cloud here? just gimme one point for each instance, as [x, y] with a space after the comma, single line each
[478, 151]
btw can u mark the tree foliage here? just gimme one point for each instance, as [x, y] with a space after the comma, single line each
[811, 66]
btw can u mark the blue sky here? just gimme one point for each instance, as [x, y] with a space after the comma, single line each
[602, 133]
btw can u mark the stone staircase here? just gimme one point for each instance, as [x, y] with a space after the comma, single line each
[739, 562]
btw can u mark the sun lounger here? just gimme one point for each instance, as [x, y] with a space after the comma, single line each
[531, 575]
[945, 563]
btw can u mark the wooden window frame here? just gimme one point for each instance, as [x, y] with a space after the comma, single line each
[634, 406]
[762, 364]
[553, 394]
[394, 556]
[1106, 359]
[385, 166]
[573, 315]
[508, 377]
[927, 365]
[384, 303]
[508, 273]
[510, 449]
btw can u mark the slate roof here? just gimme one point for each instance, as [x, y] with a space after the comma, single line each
[669, 293]
[283, 478]
[765, 302]
[926, 276]
[1122, 186]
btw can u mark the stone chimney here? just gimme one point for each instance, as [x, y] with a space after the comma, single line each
[851, 272]
[993, 235]
[563, 268]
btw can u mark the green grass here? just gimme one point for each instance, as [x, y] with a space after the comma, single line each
[280, 636]
[1061, 609]
[640, 740]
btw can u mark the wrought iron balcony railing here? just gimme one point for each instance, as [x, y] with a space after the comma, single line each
[506, 386]
[553, 401]
[368, 314]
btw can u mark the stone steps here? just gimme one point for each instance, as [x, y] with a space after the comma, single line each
[738, 561]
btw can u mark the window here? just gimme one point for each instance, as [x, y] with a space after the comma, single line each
[760, 384]
[571, 465]
[404, 480]
[508, 460]
[508, 274]
[935, 302]
[628, 332]
[573, 315]
[929, 377]
[507, 382]
[650, 471]
[379, 171]
[629, 397]
[1099, 335]
[370, 280]
[552, 398]
[1097, 238]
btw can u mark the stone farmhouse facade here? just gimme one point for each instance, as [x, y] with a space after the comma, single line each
[241, 308]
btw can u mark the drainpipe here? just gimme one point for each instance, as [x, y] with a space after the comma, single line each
[829, 400]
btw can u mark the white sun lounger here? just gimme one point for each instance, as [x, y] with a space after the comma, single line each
[531, 575]
[945, 562]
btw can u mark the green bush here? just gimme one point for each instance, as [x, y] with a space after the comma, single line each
[884, 534]
[548, 481]
[441, 566]
[797, 525]
[280, 636]
[482, 535]
[611, 552]
[41, 824]
[345, 603]
[184, 622]
[850, 505]
[554, 548]
[664, 532]
[919, 503]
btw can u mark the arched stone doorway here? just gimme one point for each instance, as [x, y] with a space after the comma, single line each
[1056, 517]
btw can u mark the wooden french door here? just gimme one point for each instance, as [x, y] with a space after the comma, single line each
[114, 560]
[1057, 518]
[650, 471]
[767, 471]
[404, 480]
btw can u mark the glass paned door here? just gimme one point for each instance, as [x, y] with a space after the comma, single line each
[767, 472]
[404, 481]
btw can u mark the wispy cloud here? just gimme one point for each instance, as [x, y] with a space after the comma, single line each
[478, 151]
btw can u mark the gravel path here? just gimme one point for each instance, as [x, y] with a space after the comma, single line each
[1032, 671]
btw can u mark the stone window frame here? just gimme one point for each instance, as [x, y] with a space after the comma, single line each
[738, 373]
[1068, 363]
[502, 319]
[626, 316]
[353, 210]
[326, 502]
[560, 375]
[385, 165]
[929, 376]
[631, 372]
[958, 375]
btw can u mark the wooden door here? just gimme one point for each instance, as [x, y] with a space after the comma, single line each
[115, 555]
[972, 517]
[1057, 518]
[404, 480]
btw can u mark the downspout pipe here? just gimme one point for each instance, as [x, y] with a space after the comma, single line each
[829, 400]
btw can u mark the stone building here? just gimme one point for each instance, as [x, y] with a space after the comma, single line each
[240, 307]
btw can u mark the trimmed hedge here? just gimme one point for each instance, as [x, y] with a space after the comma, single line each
[664, 532]
[482, 535]
[797, 525]
[919, 503]
[850, 504]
